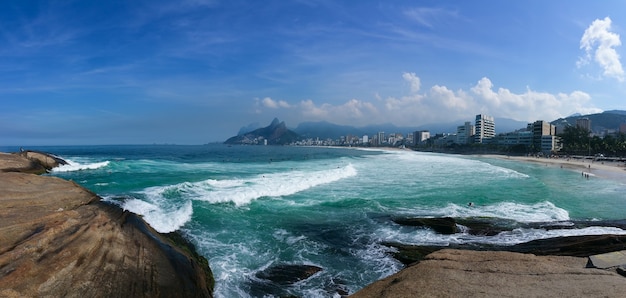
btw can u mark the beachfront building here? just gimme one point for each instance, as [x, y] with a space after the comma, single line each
[520, 137]
[443, 139]
[485, 129]
[544, 137]
[550, 144]
[419, 137]
[409, 139]
[395, 138]
[465, 133]
[540, 129]
[584, 123]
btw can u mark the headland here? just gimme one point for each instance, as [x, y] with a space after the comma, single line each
[58, 239]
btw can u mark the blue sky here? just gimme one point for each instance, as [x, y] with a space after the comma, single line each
[195, 71]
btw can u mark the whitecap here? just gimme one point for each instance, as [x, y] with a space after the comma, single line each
[161, 219]
[244, 190]
[75, 166]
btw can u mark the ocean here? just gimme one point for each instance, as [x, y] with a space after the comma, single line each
[249, 208]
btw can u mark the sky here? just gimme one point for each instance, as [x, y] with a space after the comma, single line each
[196, 71]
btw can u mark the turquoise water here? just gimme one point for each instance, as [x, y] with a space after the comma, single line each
[247, 208]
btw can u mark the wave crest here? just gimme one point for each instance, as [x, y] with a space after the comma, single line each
[163, 220]
[72, 166]
[243, 191]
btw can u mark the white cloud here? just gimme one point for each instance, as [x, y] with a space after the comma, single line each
[352, 112]
[598, 41]
[274, 104]
[530, 105]
[413, 80]
[441, 104]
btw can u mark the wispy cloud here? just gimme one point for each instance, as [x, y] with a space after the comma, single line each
[430, 17]
[599, 44]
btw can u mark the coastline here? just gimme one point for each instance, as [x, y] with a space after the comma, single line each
[75, 222]
[609, 170]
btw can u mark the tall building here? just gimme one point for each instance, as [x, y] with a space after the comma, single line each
[584, 123]
[420, 136]
[381, 137]
[544, 136]
[485, 128]
[464, 133]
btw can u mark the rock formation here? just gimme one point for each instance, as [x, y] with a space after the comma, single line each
[58, 239]
[275, 134]
[465, 273]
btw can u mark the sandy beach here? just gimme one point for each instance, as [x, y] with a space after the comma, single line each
[595, 169]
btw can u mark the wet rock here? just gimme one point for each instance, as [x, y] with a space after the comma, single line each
[442, 225]
[287, 274]
[277, 280]
[483, 226]
[410, 254]
[579, 246]
[621, 270]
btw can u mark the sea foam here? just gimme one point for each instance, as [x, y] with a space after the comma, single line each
[244, 190]
[75, 166]
[163, 220]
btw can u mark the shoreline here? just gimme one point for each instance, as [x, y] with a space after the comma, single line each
[411, 281]
[608, 170]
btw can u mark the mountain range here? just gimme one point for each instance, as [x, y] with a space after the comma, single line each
[278, 133]
[600, 122]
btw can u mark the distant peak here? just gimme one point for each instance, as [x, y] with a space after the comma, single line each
[275, 122]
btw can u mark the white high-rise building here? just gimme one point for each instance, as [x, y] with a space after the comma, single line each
[464, 133]
[485, 128]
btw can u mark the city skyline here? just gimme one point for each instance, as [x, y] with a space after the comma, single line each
[196, 71]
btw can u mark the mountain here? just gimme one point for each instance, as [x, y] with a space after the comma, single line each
[504, 125]
[275, 134]
[327, 130]
[599, 122]
[250, 127]
[618, 112]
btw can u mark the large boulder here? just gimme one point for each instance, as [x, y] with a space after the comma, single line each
[47, 160]
[58, 239]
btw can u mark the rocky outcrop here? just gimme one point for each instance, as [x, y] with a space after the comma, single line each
[553, 267]
[276, 133]
[465, 273]
[442, 225]
[58, 239]
[29, 162]
[287, 274]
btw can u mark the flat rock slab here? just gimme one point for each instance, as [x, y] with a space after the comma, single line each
[608, 260]
[465, 273]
